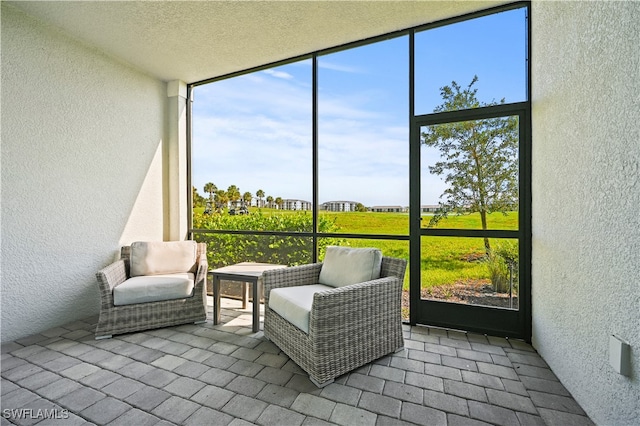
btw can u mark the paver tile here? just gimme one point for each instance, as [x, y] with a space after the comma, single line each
[403, 392]
[247, 386]
[122, 388]
[492, 414]
[279, 395]
[147, 398]
[556, 402]
[527, 419]
[553, 417]
[184, 387]
[208, 416]
[135, 417]
[459, 363]
[105, 410]
[380, 404]
[213, 396]
[245, 408]
[497, 370]
[445, 402]
[543, 385]
[368, 383]
[348, 415]
[274, 375]
[424, 381]
[175, 409]
[465, 390]
[456, 420]
[314, 406]
[512, 401]
[483, 380]
[387, 373]
[36, 381]
[276, 415]
[532, 371]
[246, 368]
[341, 393]
[80, 399]
[158, 377]
[422, 415]
[217, 377]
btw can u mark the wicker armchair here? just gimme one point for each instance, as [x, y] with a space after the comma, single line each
[348, 326]
[154, 314]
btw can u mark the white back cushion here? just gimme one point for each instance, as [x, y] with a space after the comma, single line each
[162, 257]
[345, 266]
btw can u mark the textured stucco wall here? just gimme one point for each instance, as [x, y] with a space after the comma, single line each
[82, 171]
[586, 199]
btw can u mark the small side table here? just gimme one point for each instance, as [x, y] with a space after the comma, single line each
[246, 272]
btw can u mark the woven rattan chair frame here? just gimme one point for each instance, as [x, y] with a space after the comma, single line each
[143, 316]
[349, 326]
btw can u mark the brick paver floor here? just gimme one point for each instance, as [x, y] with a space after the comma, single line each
[226, 375]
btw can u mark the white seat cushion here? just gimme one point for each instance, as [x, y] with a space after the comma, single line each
[162, 257]
[294, 303]
[153, 288]
[345, 266]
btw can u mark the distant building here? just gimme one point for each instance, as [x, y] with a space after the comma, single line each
[388, 209]
[429, 208]
[292, 204]
[340, 206]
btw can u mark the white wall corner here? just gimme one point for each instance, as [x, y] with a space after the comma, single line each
[177, 161]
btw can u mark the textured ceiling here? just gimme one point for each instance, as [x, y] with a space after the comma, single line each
[193, 41]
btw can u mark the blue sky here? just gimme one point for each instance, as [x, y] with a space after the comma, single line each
[254, 131]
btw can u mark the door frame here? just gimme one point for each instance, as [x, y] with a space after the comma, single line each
[482, 319]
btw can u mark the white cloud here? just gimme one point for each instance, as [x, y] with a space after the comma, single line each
[322, 63]
[279, 74]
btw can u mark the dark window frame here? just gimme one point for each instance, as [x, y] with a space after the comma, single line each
[415, 231]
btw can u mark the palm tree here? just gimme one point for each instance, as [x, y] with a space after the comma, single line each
[221, 199]
[246, 198]
[269, 200]
[279, 202]
[211, 188]
[260, 195]
[233, 192]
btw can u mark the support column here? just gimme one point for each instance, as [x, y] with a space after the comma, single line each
[177, 161]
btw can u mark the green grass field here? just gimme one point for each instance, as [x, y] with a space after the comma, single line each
[444, 260]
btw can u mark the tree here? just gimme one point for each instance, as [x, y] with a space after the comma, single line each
[233, 192]
[269, 200]
[197, 199]
[260, 196]
[279, 202]
[479, 158]
[211, 188]
[221, 199]
[246, 198]
[360, 207]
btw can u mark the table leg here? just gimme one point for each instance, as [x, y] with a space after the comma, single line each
[245, 294]
[256, 306]
[216, 299]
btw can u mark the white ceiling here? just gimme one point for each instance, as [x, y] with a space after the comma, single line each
[197, 40]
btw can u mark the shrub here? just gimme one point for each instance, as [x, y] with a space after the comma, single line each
[227, 249]
[502, 264]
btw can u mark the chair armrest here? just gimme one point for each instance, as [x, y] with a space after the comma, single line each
[201, 274]
[356, 307]
[108, 278]
[290, 277]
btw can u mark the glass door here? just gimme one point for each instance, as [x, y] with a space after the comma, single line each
[470, 262]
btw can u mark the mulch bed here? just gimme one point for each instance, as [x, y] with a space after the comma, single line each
[471, 292]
